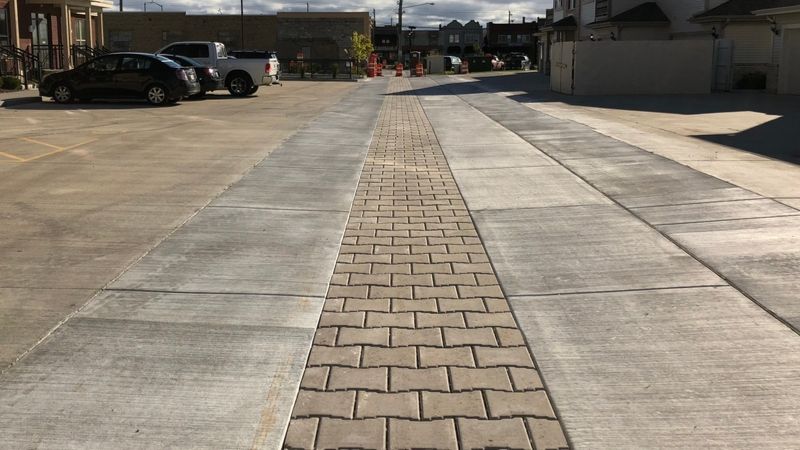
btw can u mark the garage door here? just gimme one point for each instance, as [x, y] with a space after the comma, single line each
[789, 82]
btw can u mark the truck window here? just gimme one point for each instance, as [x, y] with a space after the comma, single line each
[221, 53]
[197, 51]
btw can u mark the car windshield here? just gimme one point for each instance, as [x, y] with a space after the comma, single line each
[168, 61]
[184, 61]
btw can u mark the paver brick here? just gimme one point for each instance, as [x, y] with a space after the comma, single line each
[415, 435]
[547, 434]
[333, 305]
[497, 305]
[525, 379]
[325, 336]
[428, 249]
[437, 405]
[403, 405]
[404, 319]
[469, 336]
[479, 291]
[376, 259]
[509, 337]
[341, 319]
[473, 268]
[393, 249]
[334, 356]
[315, 378]
[461, 304]
[504, 356]
[510, 404]
[478, 258]
[465, 379]
[370, 279]
[403, 259]
[343, 378]
[340, 279]
[435, 292]
[431, 379]
[324, 404]
[410, 241]
[363, 336]
[431, 337]
[392, 268]
[442, 268]
[453, 357]
[462, 258]
[347, 291]
[428, 320]
[301, 434]
[494, 434]
[454, 280]
[366, 304]
[389, 357]
[390, 292]
[425, 305]
[477, 319]
[412, 280]
[352, 434]
[356, 249]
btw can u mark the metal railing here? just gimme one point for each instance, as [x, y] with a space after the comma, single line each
[339, 69]
[49, 56]
[17, 62]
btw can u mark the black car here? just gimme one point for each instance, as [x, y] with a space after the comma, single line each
[518, 61]
[155, 78]
[208, 77]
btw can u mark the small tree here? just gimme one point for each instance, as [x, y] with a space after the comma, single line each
[362, 48]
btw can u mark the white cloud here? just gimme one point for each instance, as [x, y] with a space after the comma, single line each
[386, 10]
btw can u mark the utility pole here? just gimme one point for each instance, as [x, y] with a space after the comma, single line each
[308, 8]
[509, 16]
[241, 16]
[120, 5]
[400, 32]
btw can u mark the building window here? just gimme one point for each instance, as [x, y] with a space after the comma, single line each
[454, 39]
[170, 36]
[524, 38]
[572, 4]
[5, 38]
[120, 41]
[472, 37]
[503, 38]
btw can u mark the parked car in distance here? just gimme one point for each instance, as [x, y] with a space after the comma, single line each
[479, 63]
[452, 63]
[518, 61]
[208, 77]
[123, 75]
[259, 54]
[241, 76]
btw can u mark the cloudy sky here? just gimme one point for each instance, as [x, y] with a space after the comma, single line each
[443, 11]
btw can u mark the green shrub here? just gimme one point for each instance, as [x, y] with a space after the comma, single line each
[10, 83]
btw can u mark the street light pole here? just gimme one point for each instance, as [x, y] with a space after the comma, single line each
[400, 32]
[241, 15]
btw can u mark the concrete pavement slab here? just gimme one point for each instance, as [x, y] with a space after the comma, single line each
[494, 156]
[650, 180]
[525, 187]
[280, 187]
[141, 384]
[241, 250]
[793, 202]
[714, 211]
[677, 368]
[583, 249]
[760, 256]
[219, 309]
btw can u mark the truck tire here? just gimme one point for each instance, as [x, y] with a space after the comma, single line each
[252, 90]
[239, 84]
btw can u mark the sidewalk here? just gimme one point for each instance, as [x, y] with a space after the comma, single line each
[19, 97]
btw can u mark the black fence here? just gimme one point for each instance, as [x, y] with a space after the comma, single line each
[320, 69]
[17, 62]
[49, 56]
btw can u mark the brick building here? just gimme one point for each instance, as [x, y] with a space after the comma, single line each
[317, 35]
[505, 38]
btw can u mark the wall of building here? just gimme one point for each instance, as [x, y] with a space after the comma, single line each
[662, 67]
[318, 35]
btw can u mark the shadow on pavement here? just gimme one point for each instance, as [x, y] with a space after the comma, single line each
[778, 138]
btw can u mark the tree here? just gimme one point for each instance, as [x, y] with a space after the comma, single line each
[362, 47]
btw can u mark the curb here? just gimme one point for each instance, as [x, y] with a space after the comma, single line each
[18, 101]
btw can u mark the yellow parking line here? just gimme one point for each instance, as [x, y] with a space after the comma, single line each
[9, 155]
[59, 150]
[41, 143]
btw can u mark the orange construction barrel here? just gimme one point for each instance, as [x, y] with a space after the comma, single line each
[464, 66]
[420, 71]
[398, 70]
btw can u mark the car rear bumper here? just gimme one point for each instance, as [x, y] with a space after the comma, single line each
[266, 80]
[187, 88]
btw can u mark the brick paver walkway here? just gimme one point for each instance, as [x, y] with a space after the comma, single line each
[417, 347]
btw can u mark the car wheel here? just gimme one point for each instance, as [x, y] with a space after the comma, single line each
[252, 90]
[62, 94]
[239, 86]
[156, 95]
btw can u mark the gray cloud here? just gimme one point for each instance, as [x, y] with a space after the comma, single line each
[386, 10]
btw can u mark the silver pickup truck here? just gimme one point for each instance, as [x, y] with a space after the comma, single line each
[242, 76]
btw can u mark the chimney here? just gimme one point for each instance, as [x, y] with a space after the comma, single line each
[523, 19]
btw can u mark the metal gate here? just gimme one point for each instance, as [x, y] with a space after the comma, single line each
[723, 65]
